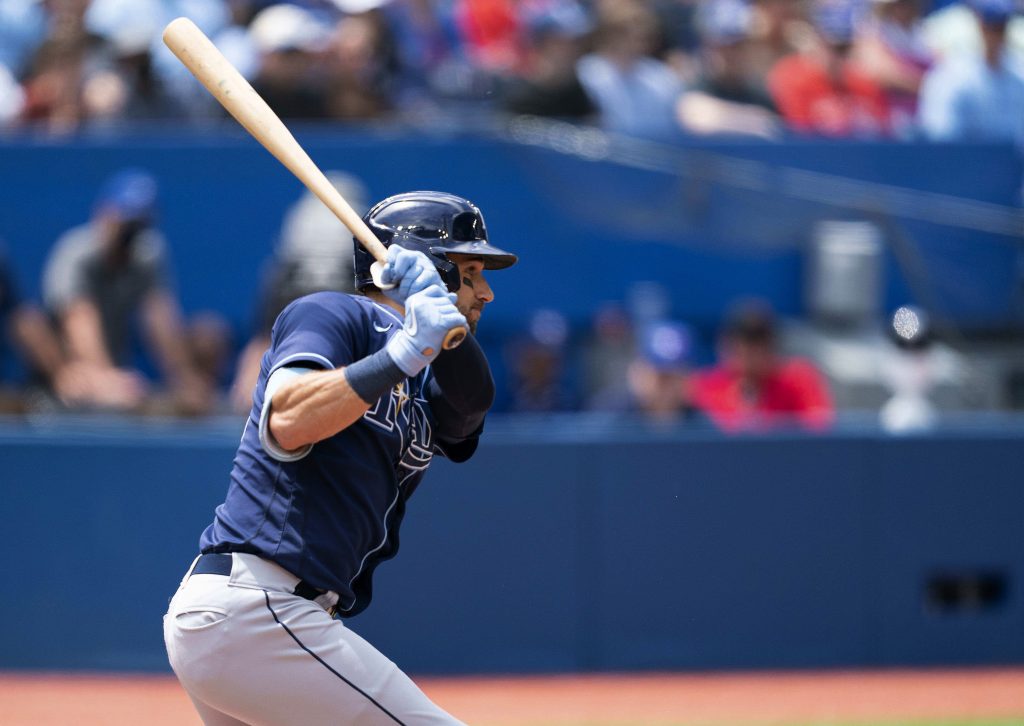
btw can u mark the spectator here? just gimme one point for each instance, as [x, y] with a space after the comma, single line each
[951, 29]
[635, 93]
[658, 377]
[12, 98]
[821, 91]
[890, 49]
[728, 97]
[314, 253]
[22, 29]
[358, 82]
[291, 43]
[57, 74]
[103, 274]
[33, 337]
[127, 86]
[131, 84]
[776, 27]
[606, 357]
[227, 24]
[753, 386]
[430, 58]
[492, 33]
[910, 373]
[681, 41]
[536, 366]
[977, 98]
[550, 85]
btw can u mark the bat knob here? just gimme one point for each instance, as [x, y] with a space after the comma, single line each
[454, 338]
[375, 272]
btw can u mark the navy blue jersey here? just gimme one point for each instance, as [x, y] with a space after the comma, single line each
[332, 516]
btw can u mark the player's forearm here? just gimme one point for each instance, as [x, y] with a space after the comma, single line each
[313, 407]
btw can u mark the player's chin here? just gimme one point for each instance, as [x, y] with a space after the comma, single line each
[473, 319]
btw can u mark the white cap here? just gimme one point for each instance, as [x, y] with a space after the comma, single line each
[128, 25]
[287, 27]
[354, 7]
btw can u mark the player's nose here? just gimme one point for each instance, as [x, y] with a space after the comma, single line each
[483, 291]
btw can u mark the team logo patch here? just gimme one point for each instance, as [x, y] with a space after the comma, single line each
[403, 413]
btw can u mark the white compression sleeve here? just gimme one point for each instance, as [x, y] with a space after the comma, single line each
[277, 379]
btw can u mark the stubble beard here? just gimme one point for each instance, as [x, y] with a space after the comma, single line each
[469, 320]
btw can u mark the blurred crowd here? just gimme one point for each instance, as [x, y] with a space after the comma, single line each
[652, 68]
[899, 69]
[108, 334]
[631, 365]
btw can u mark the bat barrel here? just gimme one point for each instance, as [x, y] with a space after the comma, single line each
[239, 98]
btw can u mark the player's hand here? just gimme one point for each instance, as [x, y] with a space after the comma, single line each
[429, 315]
[411, 272]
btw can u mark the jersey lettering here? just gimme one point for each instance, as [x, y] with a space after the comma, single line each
[385, 412]
[420, 451]
[403, 413]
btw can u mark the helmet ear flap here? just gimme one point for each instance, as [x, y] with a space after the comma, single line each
[449, 272]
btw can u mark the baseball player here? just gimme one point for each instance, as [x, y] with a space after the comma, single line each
[352, 401]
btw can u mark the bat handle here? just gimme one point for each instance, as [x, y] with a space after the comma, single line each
[454, 337]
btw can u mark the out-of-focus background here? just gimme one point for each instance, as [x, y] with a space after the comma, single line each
[760, 366]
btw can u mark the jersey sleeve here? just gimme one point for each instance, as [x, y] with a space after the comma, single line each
[456, 435]
[458, 450]
[324, 330]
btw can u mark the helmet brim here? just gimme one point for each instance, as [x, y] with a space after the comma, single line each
[494, 258]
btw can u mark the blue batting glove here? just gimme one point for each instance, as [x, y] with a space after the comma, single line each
[410, 272]
[429, 315]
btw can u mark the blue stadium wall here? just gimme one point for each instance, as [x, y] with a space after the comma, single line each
[559, 547]
[711, 221]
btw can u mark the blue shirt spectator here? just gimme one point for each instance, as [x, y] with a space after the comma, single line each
[635, 93]
[977, 98]
[22, 29]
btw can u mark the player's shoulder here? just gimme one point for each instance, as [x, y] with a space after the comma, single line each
[327, 301]
[322, 309]
[338, 310]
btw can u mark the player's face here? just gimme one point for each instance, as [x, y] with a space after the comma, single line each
[474, 293]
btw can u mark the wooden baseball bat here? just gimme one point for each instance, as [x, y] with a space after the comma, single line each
[213, 70]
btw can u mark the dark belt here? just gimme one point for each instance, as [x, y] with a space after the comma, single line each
[219, 563]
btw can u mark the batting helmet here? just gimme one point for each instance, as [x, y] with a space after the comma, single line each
[434, 223]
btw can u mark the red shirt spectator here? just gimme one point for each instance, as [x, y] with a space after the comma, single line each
[812, 99]
[753, 387]
[822, 91]
[793, 392]
[492, 33]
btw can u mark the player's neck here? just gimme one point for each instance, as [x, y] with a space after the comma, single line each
[381, 299]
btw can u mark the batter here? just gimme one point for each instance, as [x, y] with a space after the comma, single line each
[353, 399]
